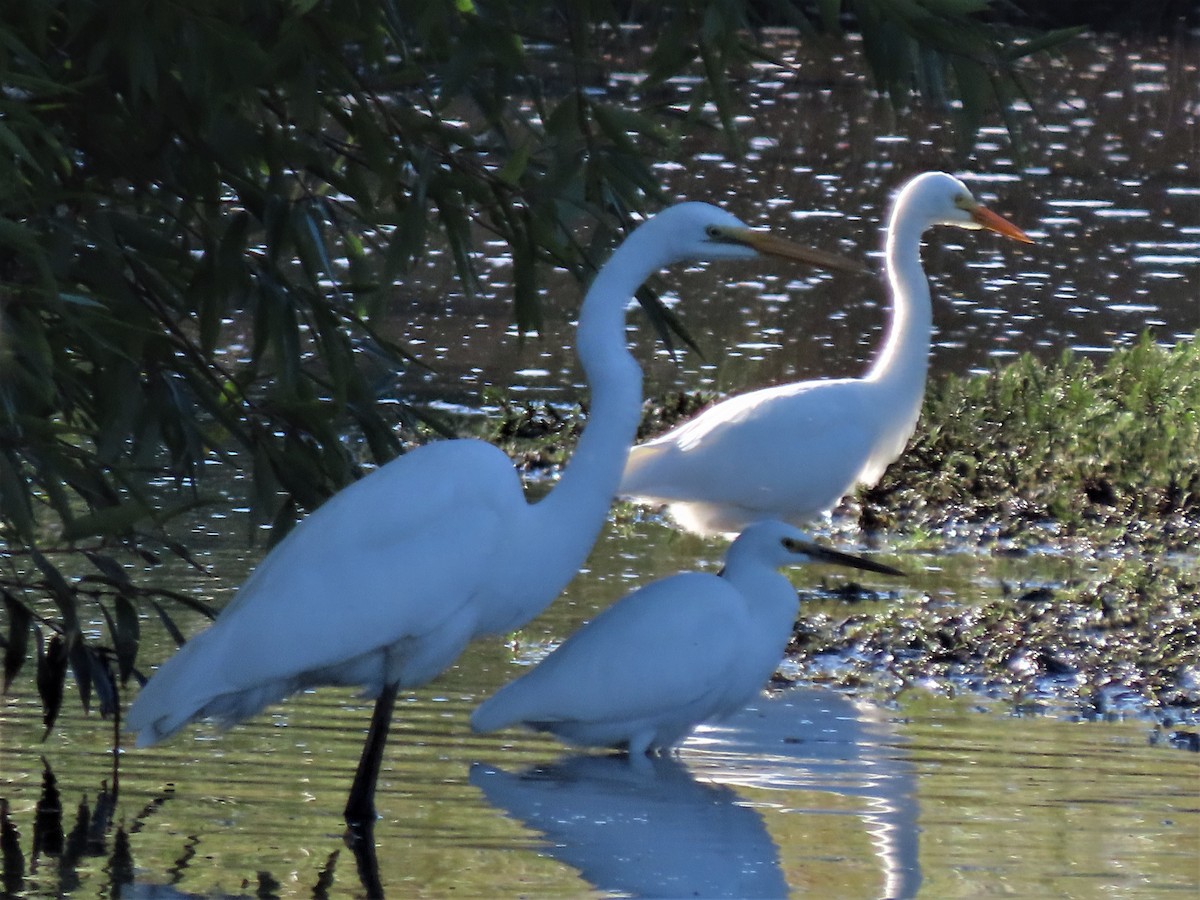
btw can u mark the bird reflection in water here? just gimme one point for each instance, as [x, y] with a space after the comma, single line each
[676, 825]
[817, 739]
[642, 826]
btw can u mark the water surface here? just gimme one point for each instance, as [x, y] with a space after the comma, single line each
[809, 793]
[814, 790]
[1108, 184]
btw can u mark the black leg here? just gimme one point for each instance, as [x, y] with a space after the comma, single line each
[361, 840]
[360, 807]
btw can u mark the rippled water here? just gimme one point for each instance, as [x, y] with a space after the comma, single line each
[809, 793]
[806, 793]
[1109, 187]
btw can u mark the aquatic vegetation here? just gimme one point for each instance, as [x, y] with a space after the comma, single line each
[1109, 452]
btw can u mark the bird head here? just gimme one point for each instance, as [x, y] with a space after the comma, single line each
[778, 544]
[945, 200]
[701, 231]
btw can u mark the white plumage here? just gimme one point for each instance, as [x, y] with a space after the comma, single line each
[793, 451]
[385, 584]
[671, 655]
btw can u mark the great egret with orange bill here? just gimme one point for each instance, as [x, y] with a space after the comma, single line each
[793, 451]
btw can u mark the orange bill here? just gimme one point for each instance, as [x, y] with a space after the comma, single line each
[997, 223]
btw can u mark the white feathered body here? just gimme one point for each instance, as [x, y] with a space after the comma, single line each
[788, 452]
[387, 582]
[648, 669]
[793, 451]
[365, 591]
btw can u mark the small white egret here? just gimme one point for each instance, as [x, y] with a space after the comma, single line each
[675, 653]
[794, 450]
[385, 584]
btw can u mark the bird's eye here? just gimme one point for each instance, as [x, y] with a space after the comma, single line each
[713, 231]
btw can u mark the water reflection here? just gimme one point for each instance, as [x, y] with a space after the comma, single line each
[47, 852]
[644, 827]
[1043, 805]
[677, 827]
[818, 739]
[52, 846]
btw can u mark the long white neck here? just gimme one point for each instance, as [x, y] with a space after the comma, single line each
[575, 510]
[903, 360]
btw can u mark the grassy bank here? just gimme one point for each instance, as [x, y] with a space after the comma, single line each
[1065, 458]
[1109, 454]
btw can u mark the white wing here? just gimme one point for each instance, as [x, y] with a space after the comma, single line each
[392, 558]
[666, 646]
[785, 448]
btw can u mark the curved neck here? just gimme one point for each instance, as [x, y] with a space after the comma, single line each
[903, 360]
[587, 485]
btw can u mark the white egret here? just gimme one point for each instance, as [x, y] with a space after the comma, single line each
[673, 654]
[794, 450]
[386, 583]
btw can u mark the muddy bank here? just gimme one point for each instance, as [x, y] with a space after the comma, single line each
[1034, 459]
[1125, 645]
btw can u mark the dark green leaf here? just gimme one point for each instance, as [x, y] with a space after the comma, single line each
[169, 624]
[81, 667]
[64, 597]
[974, 89]
[108, 521]
[1046, 41]
[51, 677]
[126, 636]
[102, 681]
[14, 498]
[16, 648]
[525, 298]
[664, 321]
[109, 567]
[514, 168]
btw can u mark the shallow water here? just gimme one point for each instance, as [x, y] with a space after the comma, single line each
[809, 791]
[815, 792]
[806, 793]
